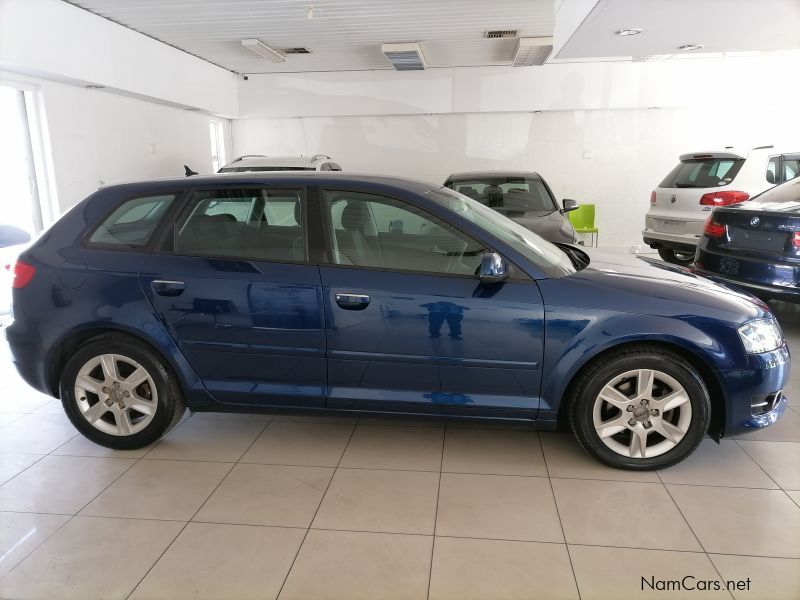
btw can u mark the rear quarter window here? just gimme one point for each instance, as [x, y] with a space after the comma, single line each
[703, 173]
[132, 223]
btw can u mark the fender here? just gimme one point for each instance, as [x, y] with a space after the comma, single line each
[573, 340]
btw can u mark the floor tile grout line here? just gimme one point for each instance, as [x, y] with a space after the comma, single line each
[73, 515]
[314, 516]
[689, 525]
[436, 511]
[780, 487]
[199, 508]
[558, 514]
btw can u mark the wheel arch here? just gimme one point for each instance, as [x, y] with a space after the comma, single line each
[715, 391]
[165, 350]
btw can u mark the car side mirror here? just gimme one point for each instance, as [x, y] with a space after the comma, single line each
[493, 268]
[569, 205]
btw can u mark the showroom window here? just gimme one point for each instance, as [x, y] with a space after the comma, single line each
[378, 232]
[132, 224]
[254, 224]
[217, 132]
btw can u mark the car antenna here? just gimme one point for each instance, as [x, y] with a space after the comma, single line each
[189, 172]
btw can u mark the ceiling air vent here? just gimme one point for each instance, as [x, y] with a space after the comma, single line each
[501, 34]
[532, 51]
[259, 48]
[405, 57]
[295, 51]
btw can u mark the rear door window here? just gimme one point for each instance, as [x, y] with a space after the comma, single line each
[254, 224]
[703, 173]
[133, 222]
[791, 167]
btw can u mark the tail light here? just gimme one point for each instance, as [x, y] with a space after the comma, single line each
[796, 239]
[652, 198]
[713, 229]
[23, 273]
[725, 198]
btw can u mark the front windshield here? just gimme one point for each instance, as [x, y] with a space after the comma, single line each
[548, 257]
[507, 193]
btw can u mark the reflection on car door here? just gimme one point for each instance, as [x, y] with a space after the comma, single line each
[238, 297]
[408, 325]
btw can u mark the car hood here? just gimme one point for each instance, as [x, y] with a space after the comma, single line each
[642, 284]
[546, 223]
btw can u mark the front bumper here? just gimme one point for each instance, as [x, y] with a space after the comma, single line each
[754, 396]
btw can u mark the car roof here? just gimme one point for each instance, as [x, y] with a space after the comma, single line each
[479, 174]
[331, 178]
[740, 152]
[277, 161]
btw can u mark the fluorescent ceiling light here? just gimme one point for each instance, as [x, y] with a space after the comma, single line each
[626, 32]
[259, 48]
[405, 57]
[532, 51]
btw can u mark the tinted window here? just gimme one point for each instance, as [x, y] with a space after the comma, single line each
[791, 167]
[548, 257]
[772, 169]
[703, 173]
[374, 231]
[132, 224]
[254, 224]
[507, 194]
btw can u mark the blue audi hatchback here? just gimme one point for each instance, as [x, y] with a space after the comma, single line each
[333, 292]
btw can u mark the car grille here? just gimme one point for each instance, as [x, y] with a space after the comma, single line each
[764, 404]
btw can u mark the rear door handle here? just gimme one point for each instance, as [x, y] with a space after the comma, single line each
[352, 301]
[168, 288]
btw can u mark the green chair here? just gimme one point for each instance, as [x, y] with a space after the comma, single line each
[582, 219]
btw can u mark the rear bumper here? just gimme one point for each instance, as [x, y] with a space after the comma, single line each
[26, 353]
[671, 241]
[761, 278]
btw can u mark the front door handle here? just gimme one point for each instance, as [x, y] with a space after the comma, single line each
[352, 301]
[168, 288]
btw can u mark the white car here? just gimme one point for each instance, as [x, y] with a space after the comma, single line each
[681, 203]
[257, 162]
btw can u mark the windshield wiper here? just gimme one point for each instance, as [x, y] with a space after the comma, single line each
[578, 259]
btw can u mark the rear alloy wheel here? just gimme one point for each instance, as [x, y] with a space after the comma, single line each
[640, 409]
[118, 393]
[674, 256]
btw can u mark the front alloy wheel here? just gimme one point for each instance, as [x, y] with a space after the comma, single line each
[639, 408]
[642, 413]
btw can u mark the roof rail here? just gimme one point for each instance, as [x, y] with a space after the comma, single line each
[249, 156]
[764, 147]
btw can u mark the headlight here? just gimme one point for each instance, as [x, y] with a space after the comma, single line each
[762, 335]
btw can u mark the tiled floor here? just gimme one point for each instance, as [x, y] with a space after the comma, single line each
[234, 506]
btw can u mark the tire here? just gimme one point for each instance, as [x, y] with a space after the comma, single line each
[669, 436]
[142, 387]
[679, 258]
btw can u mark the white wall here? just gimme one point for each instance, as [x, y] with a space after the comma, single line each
[596, 141]
[96, 138]
[56, 40]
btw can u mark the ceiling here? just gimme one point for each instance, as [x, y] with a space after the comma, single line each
[719, 25]
[344, 35]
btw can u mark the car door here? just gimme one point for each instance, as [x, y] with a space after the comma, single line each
[409, 326]
[235, 292]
